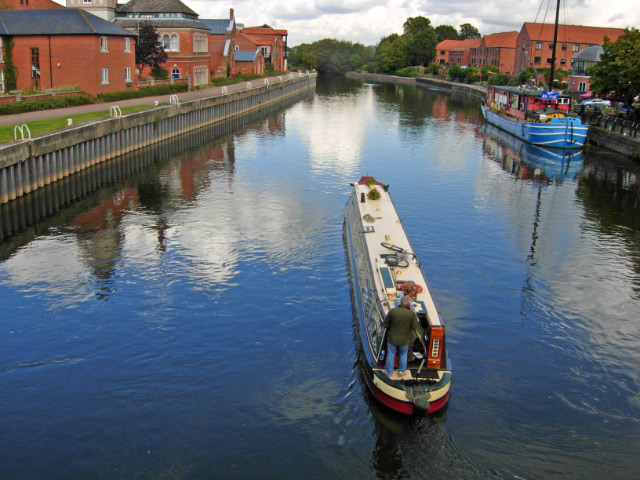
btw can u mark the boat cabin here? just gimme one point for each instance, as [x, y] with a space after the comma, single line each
[527, 103]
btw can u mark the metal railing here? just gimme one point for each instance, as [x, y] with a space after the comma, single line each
[595, 117]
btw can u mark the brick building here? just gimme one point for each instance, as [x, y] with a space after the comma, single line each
[61, 47]
[249, 61]
[579, 79]
[271, 42]
[535, 42]
[185, 39]
[456, 52]
[222, 45]
[29, 4]
[497, 50]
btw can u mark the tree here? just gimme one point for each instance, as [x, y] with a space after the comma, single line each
[446, 32]
[468, 31]
[149, 50]
[421, 41]
[10, 70]
[391, 53]
[618, 70]
[302, 57]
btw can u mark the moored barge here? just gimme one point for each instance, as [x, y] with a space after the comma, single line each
[537, 117]
[381, 261]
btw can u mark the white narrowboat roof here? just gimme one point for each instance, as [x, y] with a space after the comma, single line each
[387, 227]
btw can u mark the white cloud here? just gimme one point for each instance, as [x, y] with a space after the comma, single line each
[366, 21]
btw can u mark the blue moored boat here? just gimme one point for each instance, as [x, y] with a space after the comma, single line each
[535, 116]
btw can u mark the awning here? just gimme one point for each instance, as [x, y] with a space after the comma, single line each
[586, 95]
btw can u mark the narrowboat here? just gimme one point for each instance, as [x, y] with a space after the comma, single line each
[538, 117]
[381, 261]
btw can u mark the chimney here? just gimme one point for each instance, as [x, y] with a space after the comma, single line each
[231, 14]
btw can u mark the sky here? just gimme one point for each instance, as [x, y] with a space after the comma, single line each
[366, 21]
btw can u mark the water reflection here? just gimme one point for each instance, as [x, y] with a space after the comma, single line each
[530, 162]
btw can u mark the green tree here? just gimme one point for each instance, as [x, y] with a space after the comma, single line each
[10, 70]
[392, 53]
[468, 31]
[618, 70]
[149, 50]
[446, 32]
[421, 41]
[302, 57]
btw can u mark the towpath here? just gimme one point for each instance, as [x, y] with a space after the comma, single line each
[22, 118]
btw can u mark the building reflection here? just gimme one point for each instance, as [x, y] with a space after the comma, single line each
[99, 206]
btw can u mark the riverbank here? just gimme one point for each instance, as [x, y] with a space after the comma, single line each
[602, 137]
[32, 163]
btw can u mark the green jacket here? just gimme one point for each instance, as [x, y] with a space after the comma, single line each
[401, 321]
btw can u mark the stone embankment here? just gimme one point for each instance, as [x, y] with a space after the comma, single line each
[30, 164]
[599, 136]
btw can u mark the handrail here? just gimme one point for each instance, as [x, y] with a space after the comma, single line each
[225, 90]
[174, 100]
[21, 128]
[114, 111]
[266, 81]
[249, 86]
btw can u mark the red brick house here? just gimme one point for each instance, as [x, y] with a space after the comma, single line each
[579, 79]
[29, 4]
[456, 52]
[64, 47]
[271, 42]
[535, 42]
[222, 45]
[249, 61]
[497, 50]
[185, 39]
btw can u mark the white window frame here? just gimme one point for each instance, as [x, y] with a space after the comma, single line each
[538, 45]
[87, 1]
[174, 42]
[1, 80]
[576, 47]
[200, 42]
[127, 45]
[105, 76]
[582, 87]
[1, 49]
[104, 45]
[127, 74]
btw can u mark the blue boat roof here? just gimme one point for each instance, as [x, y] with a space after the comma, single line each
[69, 21]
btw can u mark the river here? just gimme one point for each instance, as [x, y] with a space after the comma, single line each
[184, 312]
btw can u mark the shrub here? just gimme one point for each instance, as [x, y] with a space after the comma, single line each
[143, 92]
[407, 72]
[367, 67]
[433, 68]
[47, 103]
[159, 73]
[456, 72]
[498, 79]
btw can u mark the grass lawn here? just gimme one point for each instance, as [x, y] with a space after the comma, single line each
[41, 127]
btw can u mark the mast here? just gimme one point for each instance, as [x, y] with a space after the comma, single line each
[553, 53]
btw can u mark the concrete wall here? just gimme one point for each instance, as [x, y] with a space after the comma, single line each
[31, 164]
[629, 147]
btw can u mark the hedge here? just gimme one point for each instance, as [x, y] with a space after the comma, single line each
[143, 92]
[48, 103]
